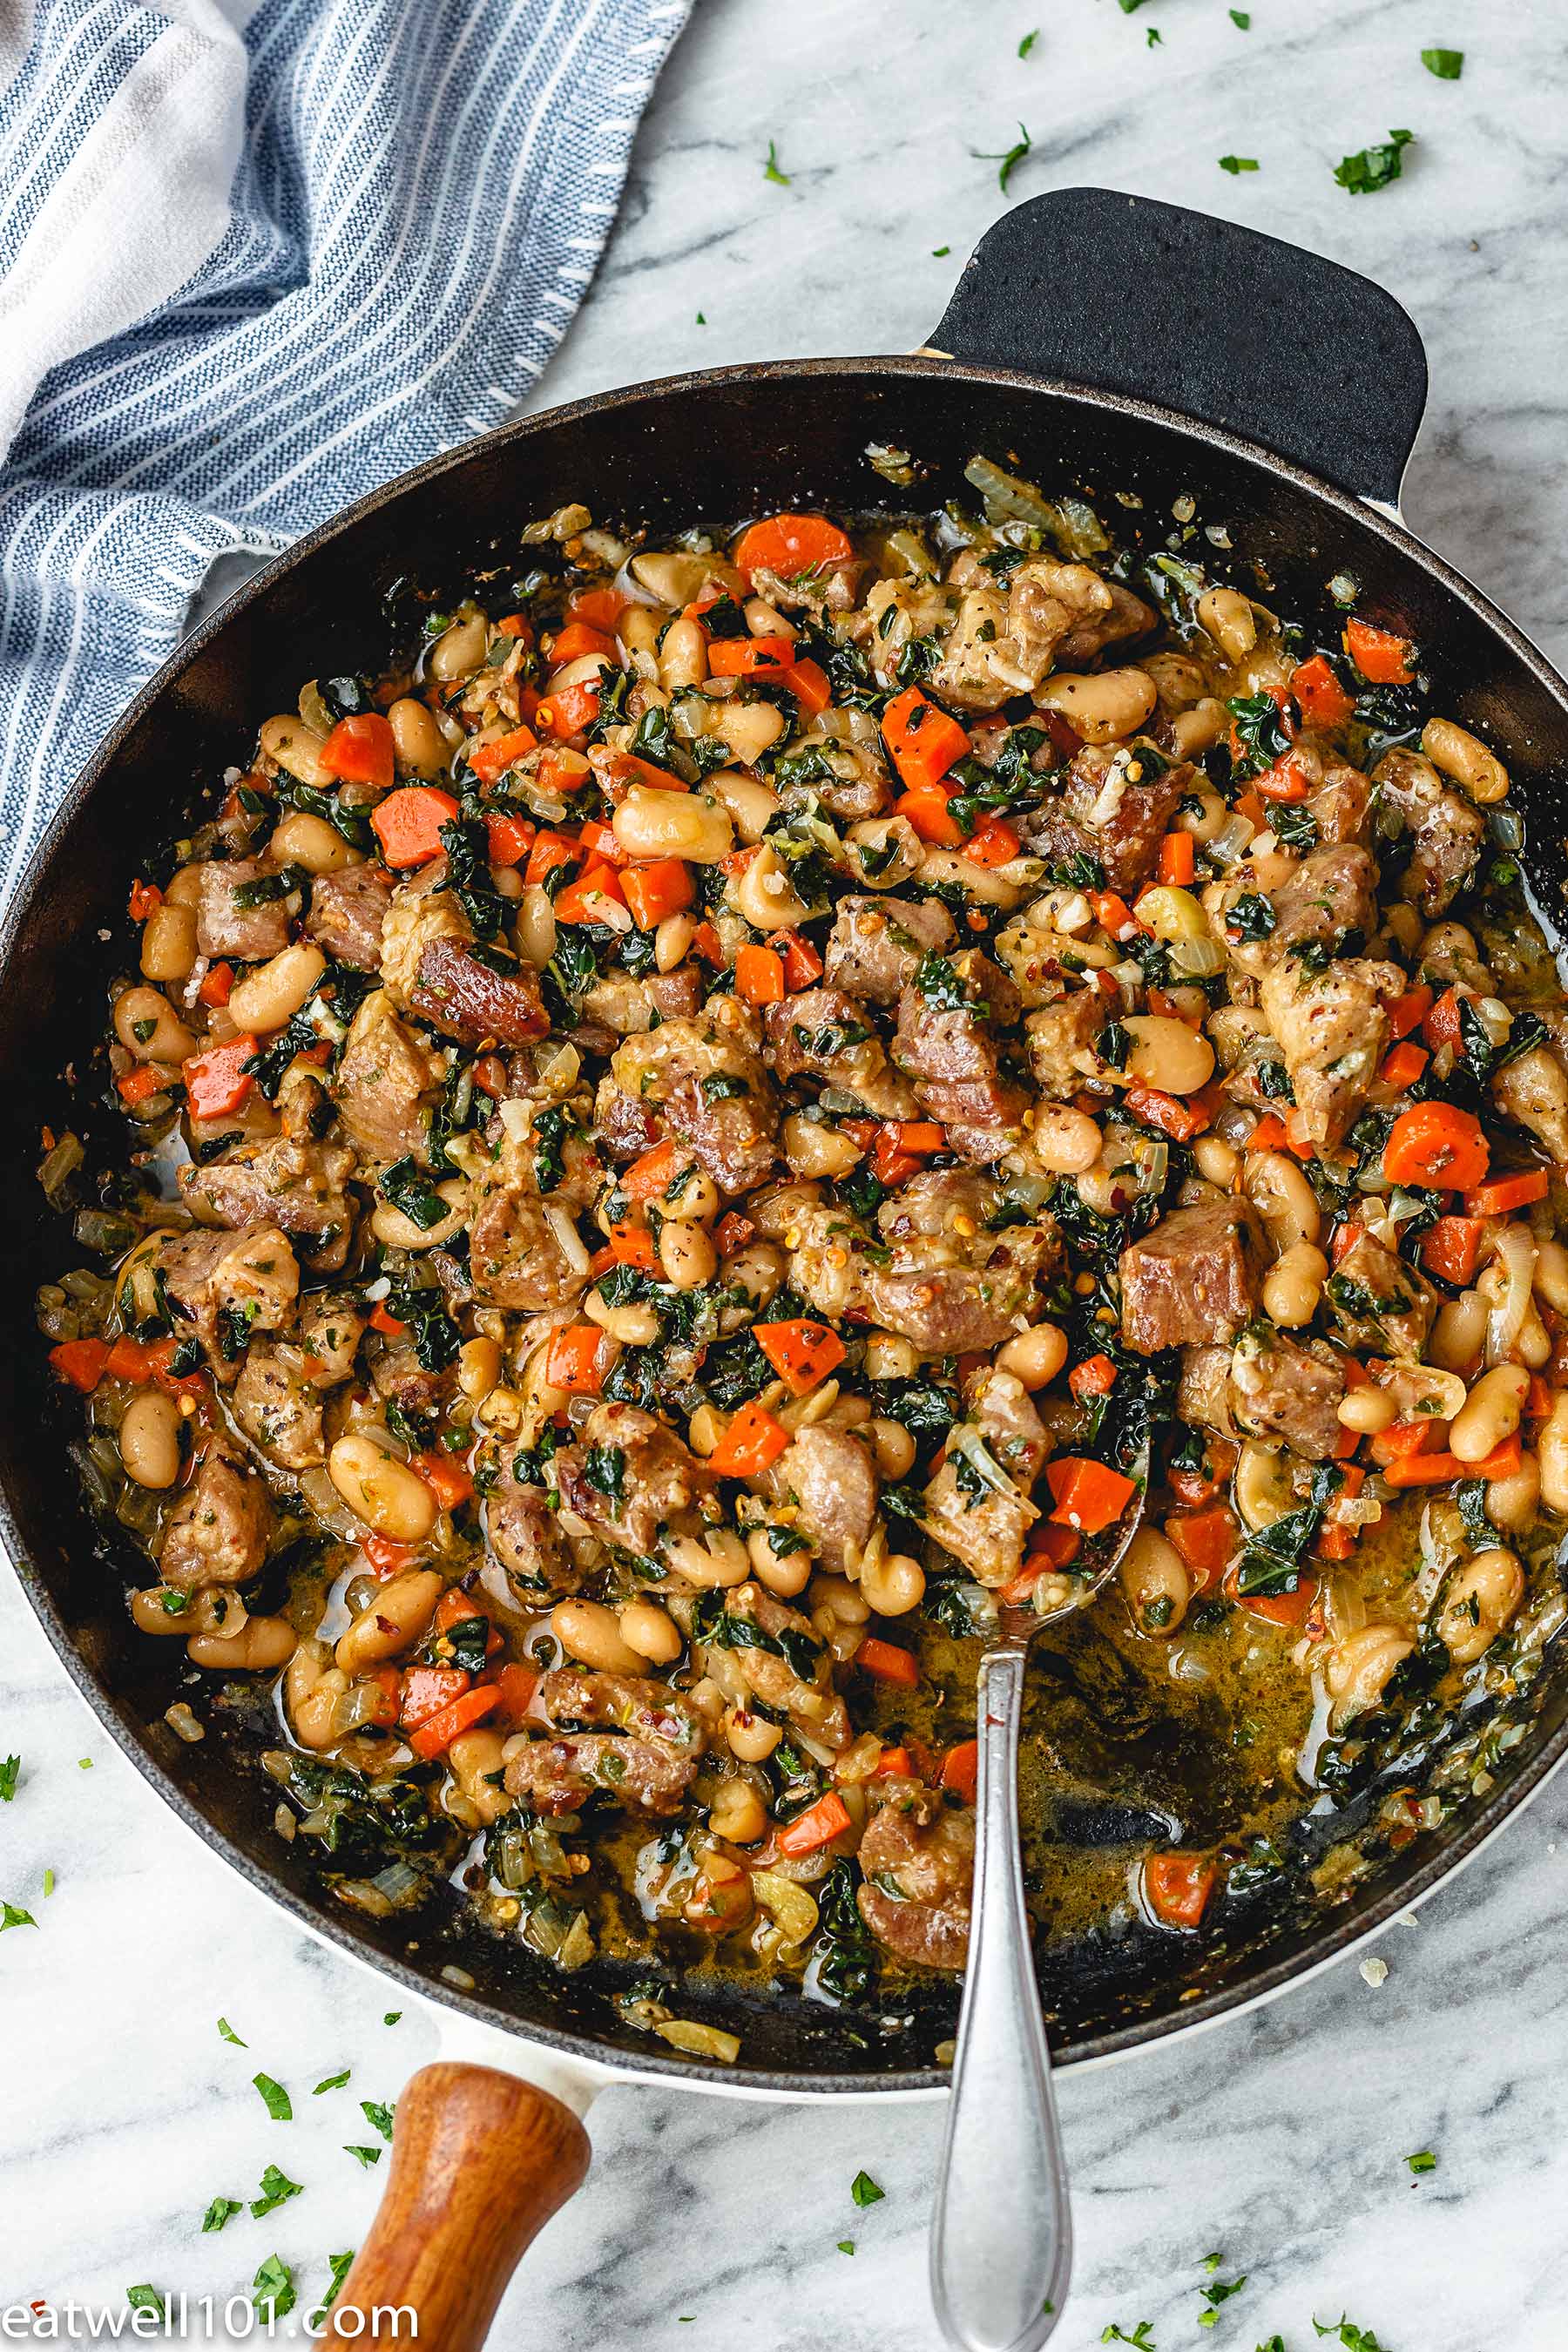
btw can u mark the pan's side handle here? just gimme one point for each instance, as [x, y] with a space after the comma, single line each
[1261, 338]
[480, 2161]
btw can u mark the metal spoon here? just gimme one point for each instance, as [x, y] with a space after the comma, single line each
[1000, 2243]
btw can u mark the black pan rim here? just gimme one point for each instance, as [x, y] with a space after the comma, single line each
[1335, 1941]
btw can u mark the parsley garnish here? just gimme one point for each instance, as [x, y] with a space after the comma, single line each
[274, 2286]
[8, 1772]
[366, 2155]
[377, 2115]
[1422, 2161]
[1374, 167]
[780, 179]
[332, 2082]
[276, 2189]
[1241, 20]
[11, 1916]
[279, 2105]
[1446, 64]
[1236, 163]
[1140, 2336]
[865, 2191]
[147, 2298]
[1027, 43]
[340, 2266]
[221, 2209]
[228, 2033]
[1008, 159]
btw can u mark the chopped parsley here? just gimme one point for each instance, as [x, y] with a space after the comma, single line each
[1220, 2292]
[865, 2191]
[228, 2033]
[1374, 167]
[1236, 164]
[273, 2287]
[1027, 43]
[12, 1917]
[1241, 20]
[276, 2189]
[1139, 2336]
[1446, 64]
[377, 2115]
[221, 2209]
[147, 2298]
[279, 2105]
[1006, 160]
[1422, 2161]
[770, 170]
[332, 2082]
[366, 2155]
[339, 2267]
[8, 1772]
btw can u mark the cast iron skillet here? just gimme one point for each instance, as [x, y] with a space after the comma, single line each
[1103, 341]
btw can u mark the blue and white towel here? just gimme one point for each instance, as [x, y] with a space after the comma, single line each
[254, 260]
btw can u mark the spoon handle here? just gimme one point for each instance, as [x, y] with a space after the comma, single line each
[1001, 2245]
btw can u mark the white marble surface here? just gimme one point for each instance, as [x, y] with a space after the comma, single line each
[1277, 2141]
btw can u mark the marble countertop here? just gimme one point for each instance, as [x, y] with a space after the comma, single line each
[1279, 2141]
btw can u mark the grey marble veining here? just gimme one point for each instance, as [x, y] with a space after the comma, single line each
[1277, 2141]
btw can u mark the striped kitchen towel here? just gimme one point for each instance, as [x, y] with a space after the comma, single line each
[254, 260]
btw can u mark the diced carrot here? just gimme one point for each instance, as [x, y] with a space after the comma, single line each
[1112, 913]
[1275, 1608]
[752, 1442]
[570, 711]
[456, 1607]
[994, 843]
[510, 838]
[386, 1556]
[433, 1738]
[1408, 1012]
[1382, 656]
[1506, 1192]
[585, 895]
[923, 739]
[491, 759]
[408, 823]
[1057, 1546]
[750, 656]
[427, 1690]
[1335, 1543]
[888, 1662]
[1088, 1495]
[1207, 1541]
[1439, 1469]
[381, 1320]
[1288, 780]
[810, 685]
[630, 1244]
[894, 1764]
[817, 1826]
[1096, 1376]
[899, 1146]
[1437, 1145]
[138, 1084]
[1178, 858]
[662, 887]
[145, 900]
[361, 750]
[1402, 1066]
[802, 1353]
[550, 850]
[578, 1359]
[575, 641]
[1179, 1118]
[82, 1362]
[758, 975]
[516, 624]
[1540, 1399]
[598, 608]
[446, 1478]
[790, 544]
[1267, 1134]
[926, 811]
[217, 1082]
[514, 1687]
[647, 1177]
[961, 1769]
[217, 984]
[1402, 1439]
[1443, 1024]
[708, 944]
[802, 964]
[1321, 698]
[1178, 1886]
[731, 1232]
[1452, 1249]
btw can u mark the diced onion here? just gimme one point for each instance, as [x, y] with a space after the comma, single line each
[1233, 840]
[1515, 1252]
[1198, 959]
[699, 2040]
[573, 1248]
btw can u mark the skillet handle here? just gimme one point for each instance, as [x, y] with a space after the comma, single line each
[1195, 314]
[479, 2162]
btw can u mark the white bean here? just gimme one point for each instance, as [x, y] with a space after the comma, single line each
[271, 994]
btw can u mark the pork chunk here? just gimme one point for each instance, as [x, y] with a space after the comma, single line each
[771, 1669]
[642, 1483]
[217, 1532]
[1329, 901]
[1377, 1302]
[521, 1533]
[1333, 1032]
[279, 1409]
[876, 944]
[918, 1861]
[951, 1283]
[1122, 811]
[832, 1479]
[346, 913]
[823, 1033]
[631, 1740]
[231, 1286]
[227, 926]
[1533, 1093]
[1060, 1041]
[974, 1511]
[708, 1081]
[301, 1187]
[951, 1050]
[1191, 1281]
[1285, 1388]
[384, 1084]
[1445, 830]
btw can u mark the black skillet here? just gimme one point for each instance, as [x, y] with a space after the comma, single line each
[1099, 341]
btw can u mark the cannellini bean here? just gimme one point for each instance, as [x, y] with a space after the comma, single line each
[678, 578]
[460, 649]
[688, 1255]
[394, 1621]
[1459, 1332]
[1217, 1161]
[750, 728]
[1491, 1413]
[419, 742]
[1360, 1666]
[1513, 1503]
[271, 994]
[1230, 620]
[1282, 1197]
[722, 1560]
[1466, 758]
[1197, 730]
[891, 1582]
[1552, 1450]
[587, 1629]
[149, 1028]
[381, 1490]
[298, 748]
[475, 1756]
[1263, 1490]
[479, 1367]
[758, 1270]
[396, 1231]
[535, 926]
[635, 1325]
[1063, 1140]
[1367, 1410]
[890, 1357]
[261, 1645]
[814, 1149]
[1293, 1286]
[683, 655]
[737, 1813]
[301, 839]
[764, 894]
[169, 943]
[887, 851]
[1036, 1356]
[1552, 1275]
[1155, 1580]
[751, 1736]
[783, 1573]
[1483, 1594]
[1103, 708]
[671, 941]
[150, 1439]
[1167, 1055]
[949, 870]
[651, 1632]
[652, 822]
[892, 1445]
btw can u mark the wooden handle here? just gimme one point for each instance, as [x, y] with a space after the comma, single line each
[479, 2162]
